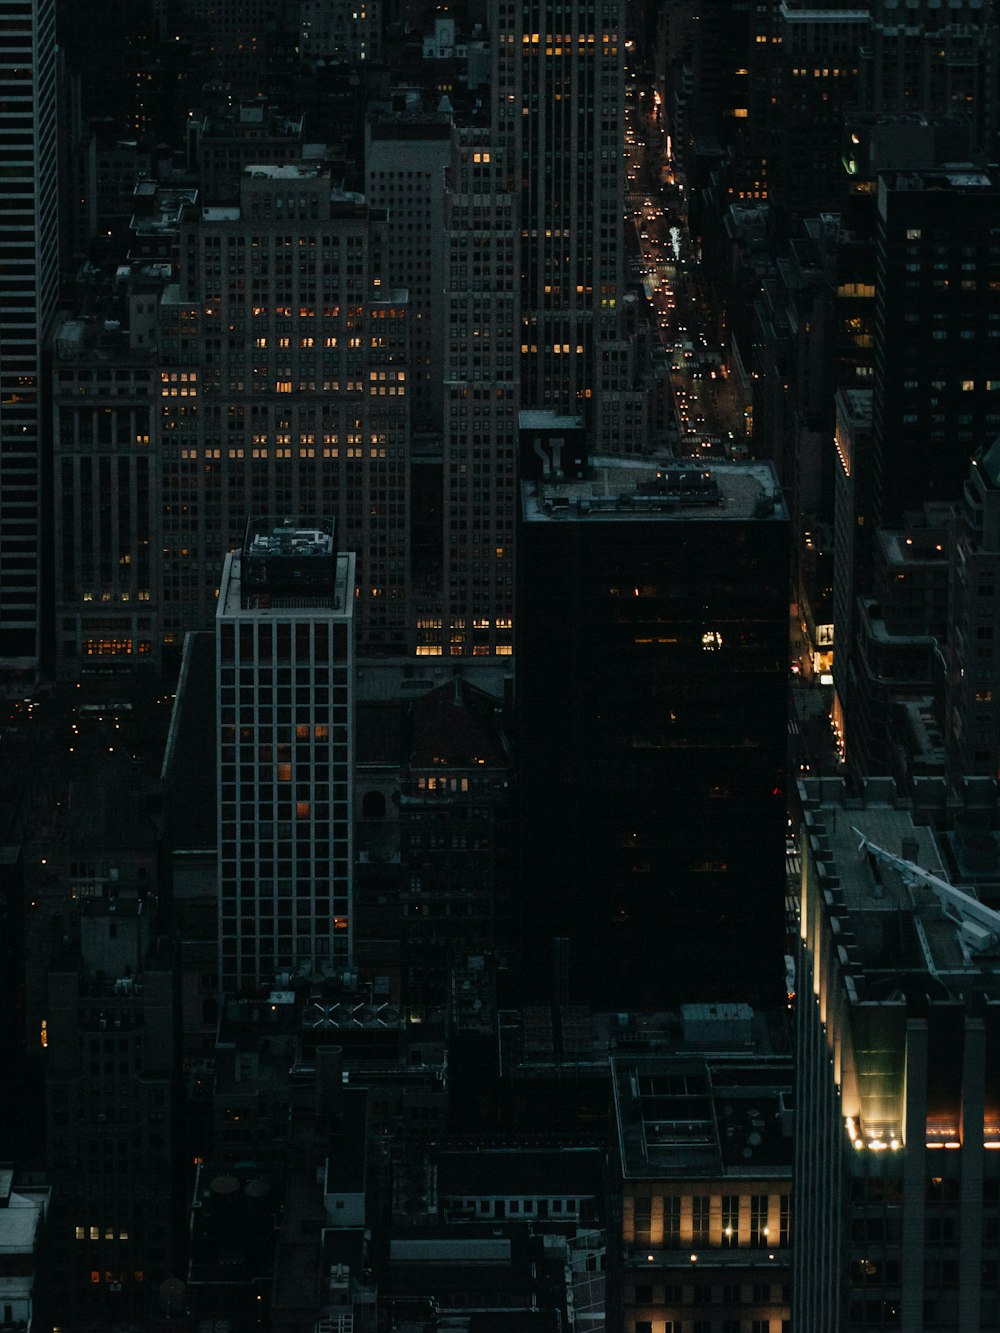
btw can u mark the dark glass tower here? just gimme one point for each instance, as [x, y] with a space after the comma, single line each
[651, 693]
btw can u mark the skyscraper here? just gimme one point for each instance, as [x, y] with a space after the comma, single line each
[28, 289]
[937, 333]
[285, 661]
[480, 405]
[405, 160]
[939, 63]
[558, 113]
[897, 1169]
[651, 694]
[284, 387]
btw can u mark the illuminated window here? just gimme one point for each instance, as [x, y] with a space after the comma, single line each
[711, 641]
[302, 809]
[284, 772]
[81, 1233]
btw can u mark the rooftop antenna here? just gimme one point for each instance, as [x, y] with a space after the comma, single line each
[978, 925]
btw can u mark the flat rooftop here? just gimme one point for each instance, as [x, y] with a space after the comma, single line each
[686, 1115]
[638, 490]
[334, 594]
[890, 930]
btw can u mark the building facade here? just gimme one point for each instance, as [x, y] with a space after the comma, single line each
[937, 334]
[651, 681]
[704, 1149]
[112, 1111]
[558, 113]
[972, 718]
[284, 387]
[28, 292]
[285, 663]
[897, 1170]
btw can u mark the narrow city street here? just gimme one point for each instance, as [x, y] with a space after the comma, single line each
[709, 410]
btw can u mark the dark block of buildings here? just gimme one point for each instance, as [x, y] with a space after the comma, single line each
[651, 694]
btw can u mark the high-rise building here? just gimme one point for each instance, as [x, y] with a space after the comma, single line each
[818, 80]
[558, 114]
[939, 63]
[480, 406]
[105, 494]
[405, 161]
[285, 662]
[897, 1170]
[284, 387]
[651, 689]
[972, 719]
[112, 1103]
[340, 32]
[28, 291]
[937, 333]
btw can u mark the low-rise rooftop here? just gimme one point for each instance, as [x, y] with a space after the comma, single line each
[727, 1115]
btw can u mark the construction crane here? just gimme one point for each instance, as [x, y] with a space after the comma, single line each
[979, 925]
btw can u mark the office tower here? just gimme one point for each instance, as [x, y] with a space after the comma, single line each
[972, 719]
[651, 674]
[558, 114]
[242, 37]
[105, 493]
[937, 334]
[939, 64]
[28, 292]
[819, 62]
[112, 1103]
[704, 1152]
[285, 663]
[340, 32]
[897, 1170]
[480, 407]
[405, 161]
[284, 386]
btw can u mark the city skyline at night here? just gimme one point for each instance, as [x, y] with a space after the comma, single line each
[499, 622]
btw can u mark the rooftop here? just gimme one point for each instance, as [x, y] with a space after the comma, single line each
[288, 568]
[894, 932]
[683, 1115]
[625, 490]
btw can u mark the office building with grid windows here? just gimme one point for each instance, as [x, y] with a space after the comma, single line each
[28, 289]
[285, 661]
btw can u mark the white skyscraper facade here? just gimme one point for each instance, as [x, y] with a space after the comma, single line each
[29, 273]
[284, 682]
